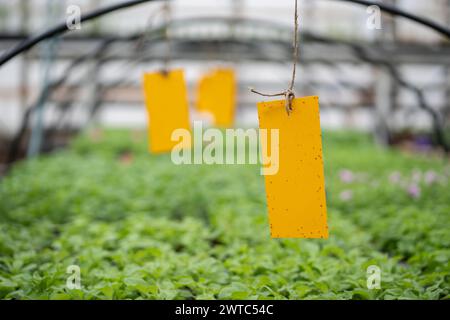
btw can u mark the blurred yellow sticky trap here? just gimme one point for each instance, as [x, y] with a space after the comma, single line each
[296, 193]
[167, 108]
[216, 95]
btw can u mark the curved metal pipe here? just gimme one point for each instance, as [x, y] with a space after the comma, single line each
[62, 27]
[399, 12]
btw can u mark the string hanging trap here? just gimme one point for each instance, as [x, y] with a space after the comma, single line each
[167, 11]
[166, 99]
[289, 92]
[294, 177]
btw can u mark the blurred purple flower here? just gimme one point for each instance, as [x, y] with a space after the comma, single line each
[414, 191]
[346, 176]
[346, 195]
[423, 143]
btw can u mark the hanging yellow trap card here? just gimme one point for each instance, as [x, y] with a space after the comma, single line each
[167, 108]
[216, 95]
[296, 192]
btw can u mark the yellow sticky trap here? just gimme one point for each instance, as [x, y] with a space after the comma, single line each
[296, 193]
[217, 96]
[167, 108]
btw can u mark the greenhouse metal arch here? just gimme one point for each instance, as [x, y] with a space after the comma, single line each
[62, 28]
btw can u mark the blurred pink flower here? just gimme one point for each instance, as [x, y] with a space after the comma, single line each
[430, 177]
[126, 158]
[414, 191]
[346, 195]
[96, 135]
[395, 177]
[346, 176]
